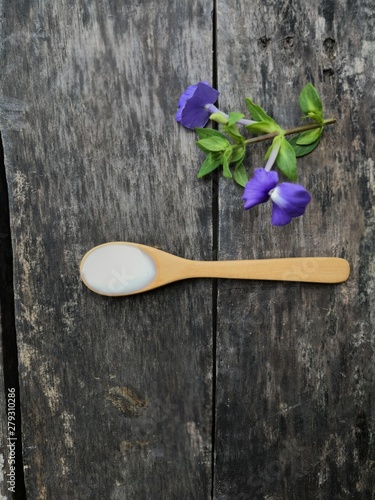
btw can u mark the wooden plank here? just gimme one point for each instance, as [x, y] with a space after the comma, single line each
[295, 377]
[116, 393]
[3, 416]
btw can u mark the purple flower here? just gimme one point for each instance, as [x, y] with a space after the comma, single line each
[258, 188]
[192, 111]
[288, 200]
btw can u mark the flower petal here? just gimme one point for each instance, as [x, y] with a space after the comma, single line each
[191, 111]
[186, 95]
[258, 188]
[292, 198]
[192, 117]
[279, 216]
[205, 94]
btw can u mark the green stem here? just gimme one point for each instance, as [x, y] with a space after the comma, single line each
[311, 126]
[290, 131]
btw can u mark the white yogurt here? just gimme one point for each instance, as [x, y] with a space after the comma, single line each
[117, 269]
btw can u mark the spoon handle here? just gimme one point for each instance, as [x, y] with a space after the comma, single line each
[304, 269]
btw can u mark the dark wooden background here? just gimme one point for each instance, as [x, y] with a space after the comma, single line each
[202, 389]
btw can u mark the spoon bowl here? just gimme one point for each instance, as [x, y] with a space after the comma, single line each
[123, 268]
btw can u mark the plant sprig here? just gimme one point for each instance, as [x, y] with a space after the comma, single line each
[227, 147]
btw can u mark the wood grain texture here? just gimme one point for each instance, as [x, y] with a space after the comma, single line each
[116, 394]
[3, 425]
[295, 363]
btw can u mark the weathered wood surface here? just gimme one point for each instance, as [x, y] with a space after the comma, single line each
[295, 363]
[3, 425]
[117, 394]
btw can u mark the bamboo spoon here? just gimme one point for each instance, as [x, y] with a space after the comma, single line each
[121, 268]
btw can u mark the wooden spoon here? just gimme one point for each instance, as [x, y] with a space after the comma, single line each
[121, 268]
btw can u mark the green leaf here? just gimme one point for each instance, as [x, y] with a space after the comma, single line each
[234, 133]
[226, 170]
[203, 133]
[302, 150]
[317, 117]
[286, 160]
[240, 174]
[263, 127]
[237, 155]
[257, 113]
[276, 140]
[310, 103]
[213, 144]
[209, 165]
[268, 152]
[309, 137]
[234, 117]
